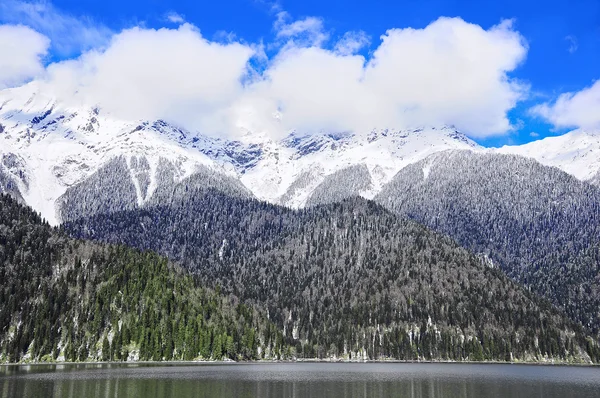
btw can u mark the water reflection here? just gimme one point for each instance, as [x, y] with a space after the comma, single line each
[299, 381]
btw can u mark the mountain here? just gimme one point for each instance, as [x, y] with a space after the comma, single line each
[49, 147]
[56, 156]
[349, 279]
[11, 176]
[577, 152]
[346, 183]
[70, 300]
[290, 170]
[538, 223]
[120, 184]
[274, 223]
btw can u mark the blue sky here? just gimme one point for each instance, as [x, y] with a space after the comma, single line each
[562, 39]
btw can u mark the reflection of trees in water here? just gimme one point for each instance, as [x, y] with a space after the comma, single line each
[296, 381]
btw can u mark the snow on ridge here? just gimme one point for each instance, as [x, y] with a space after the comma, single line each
[384, 152]
[576, 153]
[61, 146]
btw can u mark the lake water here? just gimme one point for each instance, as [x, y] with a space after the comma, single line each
[299, 380]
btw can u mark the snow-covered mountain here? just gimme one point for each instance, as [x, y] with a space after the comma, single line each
[577, 153]
[58, 158]
[288, 171]
[48, 149]
[537, 223]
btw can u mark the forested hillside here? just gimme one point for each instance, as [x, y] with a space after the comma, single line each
[64, 299]
[128, 183]
[342, 184]
[350, 279]
[9, 166]
[538, 223]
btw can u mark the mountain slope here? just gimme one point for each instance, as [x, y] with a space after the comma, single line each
[71, 300]
[274, 175]
[58, 146]
[577, 152]
[342, 184]
[595, 180]
[531, 220]
[11, 176]
[348, 279]
[121, 185]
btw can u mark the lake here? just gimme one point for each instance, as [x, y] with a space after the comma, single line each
[298, 380]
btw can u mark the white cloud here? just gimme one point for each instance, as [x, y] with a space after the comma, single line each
[175, 18]
[313, 88]
[579, 109]
[22, 52]
[174, 74]
[352, 42]
[306, 32]
[70, 35]
[450, 72]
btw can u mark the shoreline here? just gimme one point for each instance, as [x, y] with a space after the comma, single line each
[308, 361]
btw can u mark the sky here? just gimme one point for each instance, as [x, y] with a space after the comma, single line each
[505, 72]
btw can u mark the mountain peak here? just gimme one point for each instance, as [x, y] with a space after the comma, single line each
[59, 146]
[575, 152]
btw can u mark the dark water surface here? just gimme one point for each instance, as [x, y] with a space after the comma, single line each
[299, 380]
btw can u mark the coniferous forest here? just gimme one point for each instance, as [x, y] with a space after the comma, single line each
[538, 224]
[305, 183]
[72, 300]
[206, 274]
[350, 280]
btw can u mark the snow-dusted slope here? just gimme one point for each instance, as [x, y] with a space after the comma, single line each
[47, 147]
[577, 152]
[52, 147]
[287, 172]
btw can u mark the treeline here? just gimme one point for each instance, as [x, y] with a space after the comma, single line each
[426, 342]
[63, 299]
[350, 279]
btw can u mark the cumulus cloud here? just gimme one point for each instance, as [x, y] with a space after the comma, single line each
[311, 89]
[578, 109]
[174, 74]
[22, 52]
[70, 35]
[450, 72]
